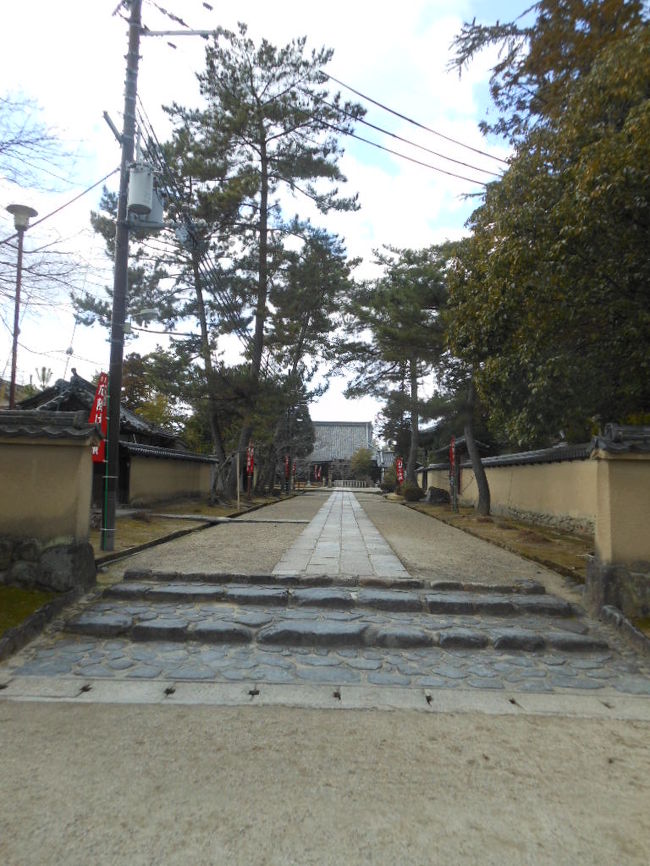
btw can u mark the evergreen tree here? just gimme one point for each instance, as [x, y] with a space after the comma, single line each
[269, 126]
[404, 334]
[550, 294]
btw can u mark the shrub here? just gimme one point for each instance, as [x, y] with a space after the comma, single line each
[412, 492]
[389, 482]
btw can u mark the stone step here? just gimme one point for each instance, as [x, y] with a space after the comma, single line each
[346, 597]
[517, 586]
[324, 627]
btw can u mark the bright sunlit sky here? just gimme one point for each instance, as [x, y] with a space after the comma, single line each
[68, 56]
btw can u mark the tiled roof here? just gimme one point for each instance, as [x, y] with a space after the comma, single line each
[81, 392]
[621, 438]
[339, 440]
[19, 423]
[558, 454]
[166, 453]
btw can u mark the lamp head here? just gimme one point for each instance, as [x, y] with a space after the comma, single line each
[22, 215]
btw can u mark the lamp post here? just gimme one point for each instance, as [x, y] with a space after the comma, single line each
[22, 215]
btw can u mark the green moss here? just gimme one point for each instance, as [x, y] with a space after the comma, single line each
[643, 624]
[17, 604]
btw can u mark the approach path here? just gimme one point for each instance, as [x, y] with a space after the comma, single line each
[205, 705]
[329, 602]
[341, 540]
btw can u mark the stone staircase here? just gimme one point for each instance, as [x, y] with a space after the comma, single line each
[285, 611]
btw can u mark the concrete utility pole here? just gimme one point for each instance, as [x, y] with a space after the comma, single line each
[120, 286]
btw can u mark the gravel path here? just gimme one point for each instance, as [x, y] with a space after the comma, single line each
[433, 549]
[164, 783]
[245, 548]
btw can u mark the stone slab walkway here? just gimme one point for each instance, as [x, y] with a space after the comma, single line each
[341, 540]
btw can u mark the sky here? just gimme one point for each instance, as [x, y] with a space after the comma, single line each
[68, 57]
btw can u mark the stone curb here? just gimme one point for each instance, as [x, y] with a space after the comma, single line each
[518, 588]
[117, 555]
[613, 616]
[311, 696]
[344, 597]
[16, 638]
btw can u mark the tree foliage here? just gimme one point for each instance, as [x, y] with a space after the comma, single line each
[397, 334]
[267, 129]
[361, 463]
[550, 293]
[237, 264]
[542, 54]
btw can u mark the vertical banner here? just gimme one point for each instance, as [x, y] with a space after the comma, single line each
[399, 470]
[453, 474]
[250, 468]
[99, 416]
[286, 467]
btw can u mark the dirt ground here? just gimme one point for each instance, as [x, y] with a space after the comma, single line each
[106, 784]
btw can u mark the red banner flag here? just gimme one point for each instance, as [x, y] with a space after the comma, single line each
[452, 453]
[286, 467]
[250, 461]
[99, 416]
[399, 470]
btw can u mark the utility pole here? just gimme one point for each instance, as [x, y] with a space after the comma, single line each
[120, 286]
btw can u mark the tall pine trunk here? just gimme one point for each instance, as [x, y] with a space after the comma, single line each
[483, 504]
[247, 431]
[213, 411]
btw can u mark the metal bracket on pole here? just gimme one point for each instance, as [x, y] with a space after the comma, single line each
[113, 128]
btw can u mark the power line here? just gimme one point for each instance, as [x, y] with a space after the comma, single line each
[408, 141]
[67, 204]
[206, 269]
[404, 156]
[415, 122]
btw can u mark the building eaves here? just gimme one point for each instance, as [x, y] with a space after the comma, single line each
[165, 453]
[22, 423]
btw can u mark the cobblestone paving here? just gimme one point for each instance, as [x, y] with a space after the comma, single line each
[378, 628]
[120, 658]
[265, 643]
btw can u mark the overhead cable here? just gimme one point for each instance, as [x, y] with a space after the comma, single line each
[415, 122]
[407, 141]
[67, 204]
[404, 156]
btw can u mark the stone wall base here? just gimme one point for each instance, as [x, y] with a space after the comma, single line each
[626, 588]
[31, 564]
[582, 525]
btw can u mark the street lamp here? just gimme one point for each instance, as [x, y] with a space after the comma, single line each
[22, 215]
